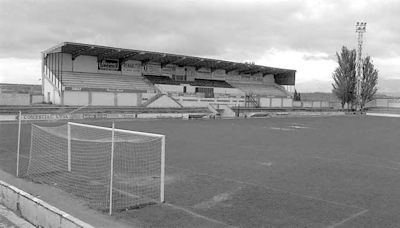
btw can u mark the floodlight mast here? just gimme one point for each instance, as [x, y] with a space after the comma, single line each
[361, 28]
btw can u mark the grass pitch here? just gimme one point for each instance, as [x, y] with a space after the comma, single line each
[273, 172]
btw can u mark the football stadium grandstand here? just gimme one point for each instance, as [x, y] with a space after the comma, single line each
[89, 75]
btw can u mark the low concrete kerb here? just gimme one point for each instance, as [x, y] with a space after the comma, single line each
[383, 114]
[36, 211]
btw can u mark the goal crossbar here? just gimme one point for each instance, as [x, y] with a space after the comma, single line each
[117, 130]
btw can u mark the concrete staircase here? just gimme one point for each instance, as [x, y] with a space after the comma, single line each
[221, 110]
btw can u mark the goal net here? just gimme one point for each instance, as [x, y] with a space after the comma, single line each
[112, 169]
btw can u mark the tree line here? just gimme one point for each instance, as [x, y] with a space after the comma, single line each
[345, 80]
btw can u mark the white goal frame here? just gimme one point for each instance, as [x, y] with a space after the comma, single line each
[162, 137]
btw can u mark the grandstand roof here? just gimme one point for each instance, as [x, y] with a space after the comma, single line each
[282, 76]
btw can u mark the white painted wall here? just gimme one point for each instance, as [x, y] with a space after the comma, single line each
[324, 104]
[66, 62]
[287, 102]
[276, 102]
[102, 98]
[382, 102]
[14, 99]
[76, 98]
[269, 79]
[127, 99]
[307, 104]
[85, 63]
[265, 102]
[170, 88]
[37, 99]
[50, 92]
[204, 102]
[394, 105]
[297, 104]
[316, 104]
[228, 91]
[164, 102]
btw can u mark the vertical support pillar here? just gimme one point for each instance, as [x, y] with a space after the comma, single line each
[89, 97]
[112, 167]
[162, 177]
[69, 146]
[43, 71]
[115, 99]
[19, 141]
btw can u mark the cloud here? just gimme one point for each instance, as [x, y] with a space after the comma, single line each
[192, 27]
[14, 70]
[319, 57]
[231, 30]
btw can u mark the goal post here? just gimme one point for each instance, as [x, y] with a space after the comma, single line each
[112, 168]
[18, 141]
[69, 146]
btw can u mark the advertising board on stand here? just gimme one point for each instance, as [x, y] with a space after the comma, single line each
[109, 64]
[132, 67]
[50, 116]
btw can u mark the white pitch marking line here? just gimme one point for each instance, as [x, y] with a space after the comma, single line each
[281, 128]
[273, 189]
[383, 114]
[355, 163]
[196, 215]
[348, 219]
[299, 127]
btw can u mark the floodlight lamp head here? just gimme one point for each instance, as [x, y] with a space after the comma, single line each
[361, 26]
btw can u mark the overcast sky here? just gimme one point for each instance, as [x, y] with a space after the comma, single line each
[301, 35]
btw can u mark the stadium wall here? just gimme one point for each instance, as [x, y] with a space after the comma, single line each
[276, 102]
[20, 99]
[76, 98]
[385, 103]
[190, 101]
[50, 92]
[314, 104]
[127, 99]
[84, 98]
[14, 99]
[170, 88]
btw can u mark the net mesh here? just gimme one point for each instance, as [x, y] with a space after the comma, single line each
[136, 164]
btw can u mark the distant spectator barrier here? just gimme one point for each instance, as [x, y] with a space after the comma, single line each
[384, 103]
[20, 99]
